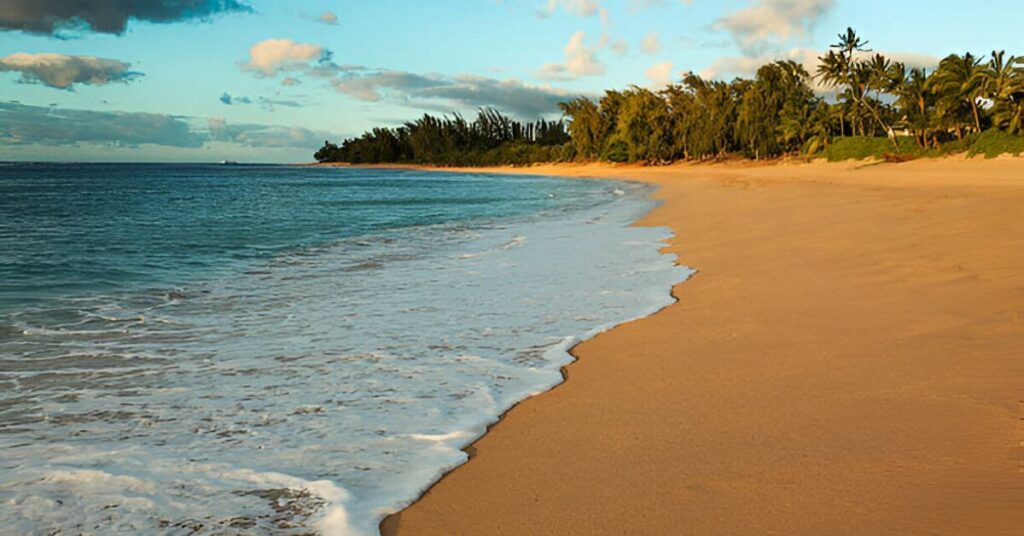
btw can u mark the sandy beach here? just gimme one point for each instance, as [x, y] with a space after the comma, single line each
[849, 359]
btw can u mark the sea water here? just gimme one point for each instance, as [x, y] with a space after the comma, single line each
[234, 350]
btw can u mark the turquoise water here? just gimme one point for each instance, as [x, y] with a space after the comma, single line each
[236, 349]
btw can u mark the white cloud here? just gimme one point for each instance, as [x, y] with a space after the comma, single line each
[272, 56]
[651, 45]
[636, 5]
[579, 61]
[660, 74]
[765, 23]
[583, 8]
[329, 18]
[63, 72]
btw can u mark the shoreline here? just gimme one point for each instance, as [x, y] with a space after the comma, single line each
[528, 452]
[389, 525]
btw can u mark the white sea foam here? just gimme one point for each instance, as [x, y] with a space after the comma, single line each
[89, 479]
[438, 438]
[516, 241]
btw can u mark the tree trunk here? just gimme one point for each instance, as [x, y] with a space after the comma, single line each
[922, 107]
[977, 119]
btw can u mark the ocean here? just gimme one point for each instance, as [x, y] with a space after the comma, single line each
[202, 349]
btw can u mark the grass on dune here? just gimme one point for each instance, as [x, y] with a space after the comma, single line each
[993, 143]
[862, 147]
[990, 143]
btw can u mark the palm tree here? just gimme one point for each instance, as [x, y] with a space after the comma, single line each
[914, 100]
[1012, 116]
[840, 68]
[879, 72]
[959, 84]
[1001, 81]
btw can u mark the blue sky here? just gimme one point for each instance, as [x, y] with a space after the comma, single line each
[159, 90]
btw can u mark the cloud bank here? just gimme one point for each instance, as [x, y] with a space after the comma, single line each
[21, 125]
[267, 136]
[510, 96]
[747, 65]
[105, 16]
[424, 91]
[40, 125]
[63, 72]
[435, 92]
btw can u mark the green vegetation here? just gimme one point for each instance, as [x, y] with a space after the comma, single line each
[990, 143]
[993, 143]
[877, 108]
[491, 139]
[861, 147]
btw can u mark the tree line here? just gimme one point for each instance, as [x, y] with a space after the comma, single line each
[490, 139]
[866, 96]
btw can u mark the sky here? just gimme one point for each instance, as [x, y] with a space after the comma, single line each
[270, 80]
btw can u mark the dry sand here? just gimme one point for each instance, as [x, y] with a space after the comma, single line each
[848, 360]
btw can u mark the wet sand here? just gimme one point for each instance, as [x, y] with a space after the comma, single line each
[849, 359]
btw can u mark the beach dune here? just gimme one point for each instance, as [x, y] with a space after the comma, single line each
[849, 359]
